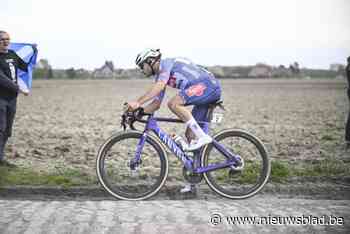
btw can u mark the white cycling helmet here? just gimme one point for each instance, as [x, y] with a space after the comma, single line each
[145, 54]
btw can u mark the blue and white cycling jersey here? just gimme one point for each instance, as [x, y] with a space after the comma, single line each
[179, 73]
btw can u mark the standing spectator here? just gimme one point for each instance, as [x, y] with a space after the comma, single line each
[9, 89]
[347, 130]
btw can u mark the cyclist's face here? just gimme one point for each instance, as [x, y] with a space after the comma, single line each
[147, 70]
[4, 41]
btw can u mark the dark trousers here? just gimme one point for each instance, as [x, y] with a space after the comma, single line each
[7, 116]
[347, 128]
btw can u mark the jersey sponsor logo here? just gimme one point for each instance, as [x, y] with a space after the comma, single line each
[196, 90]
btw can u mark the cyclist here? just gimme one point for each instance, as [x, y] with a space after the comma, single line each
[197, 87]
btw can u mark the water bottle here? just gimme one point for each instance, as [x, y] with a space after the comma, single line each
[180, 141]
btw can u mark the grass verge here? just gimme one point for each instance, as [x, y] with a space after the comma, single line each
[27, 176]
[281, 172]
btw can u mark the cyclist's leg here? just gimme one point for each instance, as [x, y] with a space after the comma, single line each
[200, 92]
[189, 135]
[177, 106]
[199, 113]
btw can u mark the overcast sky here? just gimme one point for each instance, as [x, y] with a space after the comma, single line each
[83, 33]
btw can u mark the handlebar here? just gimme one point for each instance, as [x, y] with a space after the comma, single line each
[129, 117]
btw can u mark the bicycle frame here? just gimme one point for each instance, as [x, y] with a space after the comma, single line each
[152, 125]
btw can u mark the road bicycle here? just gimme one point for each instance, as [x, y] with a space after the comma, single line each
[133, 164]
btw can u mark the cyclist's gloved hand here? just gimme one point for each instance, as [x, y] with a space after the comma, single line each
[139, 112]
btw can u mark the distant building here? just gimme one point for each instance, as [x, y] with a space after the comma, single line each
[82, 73]
[337, 67]
[106, 71]
[260, 70]
[129, 73]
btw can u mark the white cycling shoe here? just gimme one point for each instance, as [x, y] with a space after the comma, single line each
[196, 144]
[189, 188]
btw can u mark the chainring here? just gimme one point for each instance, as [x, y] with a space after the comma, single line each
[193, 178]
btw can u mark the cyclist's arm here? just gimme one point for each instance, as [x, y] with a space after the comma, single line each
[156, 89]
[153, 106]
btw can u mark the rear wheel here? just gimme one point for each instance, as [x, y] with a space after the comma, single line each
[117, 177]
[250, 179]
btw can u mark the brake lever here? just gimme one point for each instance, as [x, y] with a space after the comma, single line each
[139, 112]
[137, 115]
[122, 123]
[132, 126]
[128, 119]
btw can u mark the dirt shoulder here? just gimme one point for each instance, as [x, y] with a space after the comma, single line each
[307, 190]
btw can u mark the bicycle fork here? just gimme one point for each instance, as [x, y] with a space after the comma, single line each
[136, 161]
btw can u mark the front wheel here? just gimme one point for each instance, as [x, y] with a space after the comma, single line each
[243, 183]
[127, 182]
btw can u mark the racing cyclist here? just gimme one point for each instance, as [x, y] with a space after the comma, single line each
[197, 87]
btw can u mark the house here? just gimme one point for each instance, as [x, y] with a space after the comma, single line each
[106, 71]
[337, 67]
[260, 70]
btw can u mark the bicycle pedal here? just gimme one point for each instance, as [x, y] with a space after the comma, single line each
[134, 173]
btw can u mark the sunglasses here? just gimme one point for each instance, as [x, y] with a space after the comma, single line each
[5, 39]
[141, 65]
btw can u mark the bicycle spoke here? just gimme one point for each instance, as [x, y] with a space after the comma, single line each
[238, 183]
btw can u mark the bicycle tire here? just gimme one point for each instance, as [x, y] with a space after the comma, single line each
[238, 191]
[116, 190]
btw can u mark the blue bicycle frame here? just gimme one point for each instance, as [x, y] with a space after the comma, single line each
[190, 164]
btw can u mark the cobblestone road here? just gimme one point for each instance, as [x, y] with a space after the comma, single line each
[166, 216]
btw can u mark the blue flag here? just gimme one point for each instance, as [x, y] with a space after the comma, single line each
[28, 53]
